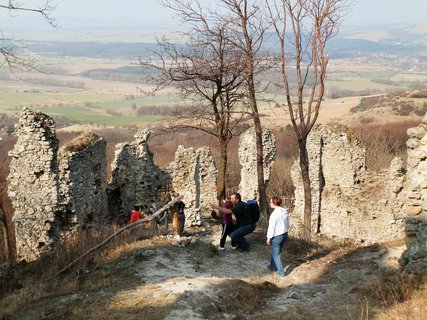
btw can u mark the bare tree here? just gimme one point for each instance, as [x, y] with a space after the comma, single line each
[10, 58]
[7, 250]
[241, 28]
[7, 233]
[209, 71]
[303, 29]
[248, 29]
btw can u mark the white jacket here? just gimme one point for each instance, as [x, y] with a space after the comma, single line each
[278, 223]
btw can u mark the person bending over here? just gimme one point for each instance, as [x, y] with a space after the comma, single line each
[244, 225]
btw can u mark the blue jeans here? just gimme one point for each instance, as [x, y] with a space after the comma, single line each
[238, 236]
[276, 245]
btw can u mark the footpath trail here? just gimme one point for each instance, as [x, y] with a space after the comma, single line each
[188, 278]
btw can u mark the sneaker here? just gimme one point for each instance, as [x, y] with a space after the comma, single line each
[234, 248]
[221, 248]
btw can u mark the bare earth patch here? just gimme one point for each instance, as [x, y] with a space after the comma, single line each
[188, 278]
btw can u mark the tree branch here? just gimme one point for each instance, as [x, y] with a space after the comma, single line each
[121, 230]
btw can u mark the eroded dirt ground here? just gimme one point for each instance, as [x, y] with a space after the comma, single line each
[168, 278]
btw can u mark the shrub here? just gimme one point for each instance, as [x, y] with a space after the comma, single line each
[419, 94]
[383, 142]
[421, 111]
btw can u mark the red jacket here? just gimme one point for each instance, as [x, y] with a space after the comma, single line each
[136, 215]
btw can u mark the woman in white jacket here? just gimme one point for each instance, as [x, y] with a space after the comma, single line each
[277, 233]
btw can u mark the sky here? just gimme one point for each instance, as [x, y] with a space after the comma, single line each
[150, 10]
[150, 14]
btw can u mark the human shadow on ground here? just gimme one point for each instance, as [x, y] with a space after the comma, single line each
[137, 281]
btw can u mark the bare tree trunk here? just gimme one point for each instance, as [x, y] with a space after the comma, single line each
[241, 9]
[305, 173]
[260, 166]
[310, 24]
[6, 235]
[222, 171]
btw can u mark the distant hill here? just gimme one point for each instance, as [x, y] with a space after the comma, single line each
[110, 50]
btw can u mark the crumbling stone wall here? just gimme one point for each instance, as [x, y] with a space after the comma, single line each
[414, 260]
[52, 192]
[248, 186]
[82, 180]
[33, 187]
[348, 201]
[135, 177]
[195, 178]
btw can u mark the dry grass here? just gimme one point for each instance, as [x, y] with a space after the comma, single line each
[239, 298]
[403, 298]
[106, 288]
[81, 142]
[38, 280]
[383, 142]
[108, 268]
[395, 288]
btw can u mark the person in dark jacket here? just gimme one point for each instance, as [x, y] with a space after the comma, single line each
[178, 215]
[244, 225]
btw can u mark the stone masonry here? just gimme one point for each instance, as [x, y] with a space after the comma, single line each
[414, 260]
[33, 184]
[82, 180]
[195, 178]
[53, 192]
[135, 176]
[348, 202]
[248, 186]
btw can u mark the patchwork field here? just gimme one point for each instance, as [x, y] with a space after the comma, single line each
[102, 83]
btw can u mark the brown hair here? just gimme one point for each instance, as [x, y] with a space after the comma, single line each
[277, 201]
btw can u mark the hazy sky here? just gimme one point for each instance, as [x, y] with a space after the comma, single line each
[149, 13]
[150, 10]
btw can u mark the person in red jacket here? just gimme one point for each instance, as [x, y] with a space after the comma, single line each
[136, 214]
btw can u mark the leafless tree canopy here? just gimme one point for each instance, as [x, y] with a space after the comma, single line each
[8, 51]
[219, 66]
[303, 29]
[209, 73]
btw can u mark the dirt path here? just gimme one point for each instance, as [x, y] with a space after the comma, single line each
[168, 278]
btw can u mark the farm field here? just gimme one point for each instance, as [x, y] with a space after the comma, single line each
[85, 86]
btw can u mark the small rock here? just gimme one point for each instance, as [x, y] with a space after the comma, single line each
[295, 295]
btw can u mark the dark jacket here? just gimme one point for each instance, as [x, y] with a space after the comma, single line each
[178, 207]
[242, 215]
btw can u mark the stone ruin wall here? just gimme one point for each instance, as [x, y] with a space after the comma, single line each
[54, 192]
[248, 186]
[350, 203]
[136, 175]
[50, 191]
[83, 179]
[195, 178]
[33, 184]
[414, 260]
[71, 183]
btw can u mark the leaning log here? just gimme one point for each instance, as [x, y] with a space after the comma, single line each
[131, 225]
